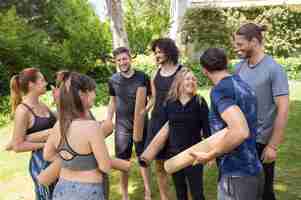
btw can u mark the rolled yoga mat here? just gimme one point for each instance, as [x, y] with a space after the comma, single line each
[184, 159]
[139, 117]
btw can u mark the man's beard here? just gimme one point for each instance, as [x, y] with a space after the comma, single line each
[247, 55]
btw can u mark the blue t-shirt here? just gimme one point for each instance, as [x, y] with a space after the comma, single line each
[230, 91]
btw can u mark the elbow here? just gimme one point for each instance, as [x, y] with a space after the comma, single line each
[47, 157]
[244, 133]
[106, 167]
[17, 147]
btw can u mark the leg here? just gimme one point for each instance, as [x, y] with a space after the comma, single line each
[268, 192]
[145, 173]
[124, 179]
[179, 181]
[144, 169]
[194, 176]
[123, 150]
[162, 179]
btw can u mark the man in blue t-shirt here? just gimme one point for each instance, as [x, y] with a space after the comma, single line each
[233, 106]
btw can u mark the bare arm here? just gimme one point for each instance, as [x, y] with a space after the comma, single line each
[40, 136]
[152, 98]
[19, 144]
[237, 132]
[111, 108]
[107, 127]
[269, 153]
[99, 149]
[50, 174]
[50, 149]
[280, 123]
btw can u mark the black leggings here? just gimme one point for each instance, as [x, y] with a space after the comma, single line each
[193, 175]
[268, 192]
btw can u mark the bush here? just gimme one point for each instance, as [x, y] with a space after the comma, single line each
[292, 66]
[214, 26]
[145, 20]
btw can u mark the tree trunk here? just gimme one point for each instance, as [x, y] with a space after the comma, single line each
[115, 13]
[177, 11]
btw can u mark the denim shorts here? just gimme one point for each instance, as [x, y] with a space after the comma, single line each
[66, 190]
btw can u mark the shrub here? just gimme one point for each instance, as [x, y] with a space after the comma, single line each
[145, 20]
[214, 26]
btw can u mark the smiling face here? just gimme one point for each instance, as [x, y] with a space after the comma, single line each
[189, 84]
[123, 62]
[243, 47]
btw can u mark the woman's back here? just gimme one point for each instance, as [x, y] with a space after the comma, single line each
[83, 153]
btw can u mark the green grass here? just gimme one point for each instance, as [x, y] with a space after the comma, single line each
[15, 183]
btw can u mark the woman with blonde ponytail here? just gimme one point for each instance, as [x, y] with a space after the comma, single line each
[32, 123]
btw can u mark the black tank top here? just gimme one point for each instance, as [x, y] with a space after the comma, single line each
[40, 123]
[162, 86]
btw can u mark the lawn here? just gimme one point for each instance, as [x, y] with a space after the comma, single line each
[15, 183]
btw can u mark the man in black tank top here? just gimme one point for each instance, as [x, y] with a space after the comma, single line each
[123, 88]
[166, 55]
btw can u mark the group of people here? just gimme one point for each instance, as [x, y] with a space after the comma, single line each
[70, 159]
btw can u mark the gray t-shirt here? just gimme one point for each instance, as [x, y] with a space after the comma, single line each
[125, 89]
[269, 80]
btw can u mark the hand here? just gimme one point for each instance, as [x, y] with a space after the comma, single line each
[200, 157]
[211, 163]
[269, 154]
[146, 161]
[9, 147]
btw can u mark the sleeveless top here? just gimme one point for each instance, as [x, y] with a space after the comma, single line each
[40, 123]
[78, 162]
[162, 86]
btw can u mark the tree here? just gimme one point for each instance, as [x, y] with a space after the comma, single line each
[115, 13]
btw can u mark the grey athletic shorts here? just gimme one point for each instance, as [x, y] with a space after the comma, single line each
[240, 188]
[67, 190]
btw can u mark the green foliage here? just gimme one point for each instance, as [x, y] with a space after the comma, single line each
[73, 38]
[144, 21]
[292, 66]
[206, 27]
[214, 27]
[78, 29]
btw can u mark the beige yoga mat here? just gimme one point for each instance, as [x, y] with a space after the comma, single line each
[184, 159]
[138, 115]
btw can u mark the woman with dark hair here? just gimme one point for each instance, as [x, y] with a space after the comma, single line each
[84, 158]
[51, 174]
[32, 122]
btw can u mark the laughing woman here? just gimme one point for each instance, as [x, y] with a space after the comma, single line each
[32, 122]
[187, 122]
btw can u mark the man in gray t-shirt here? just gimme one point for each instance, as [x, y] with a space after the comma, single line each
[270, 83]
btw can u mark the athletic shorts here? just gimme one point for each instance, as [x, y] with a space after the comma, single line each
[124, 145]
[241, 188]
